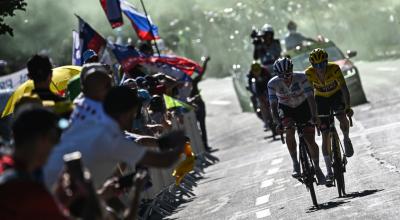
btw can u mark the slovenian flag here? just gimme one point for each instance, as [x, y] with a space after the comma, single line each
[184, 64]
[175, 66]
[112, 9]
[127, 56]
[140, 22]
[90, 39]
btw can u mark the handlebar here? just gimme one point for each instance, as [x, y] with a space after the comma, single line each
[337, 114]
[297, 126]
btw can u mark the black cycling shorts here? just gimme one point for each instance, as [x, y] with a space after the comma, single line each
[325, 104]
[301, 114]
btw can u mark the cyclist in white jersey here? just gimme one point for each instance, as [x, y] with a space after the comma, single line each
[292, 101]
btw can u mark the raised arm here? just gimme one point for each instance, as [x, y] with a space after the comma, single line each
[200, 76]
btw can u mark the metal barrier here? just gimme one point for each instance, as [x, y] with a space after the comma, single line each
[165, 196]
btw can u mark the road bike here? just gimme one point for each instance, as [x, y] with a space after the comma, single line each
[307, 175]
[339, 159]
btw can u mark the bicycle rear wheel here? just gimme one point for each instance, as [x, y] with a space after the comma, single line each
[338, 165]
[308, 173]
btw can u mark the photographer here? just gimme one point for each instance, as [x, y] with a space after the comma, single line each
[266, 48]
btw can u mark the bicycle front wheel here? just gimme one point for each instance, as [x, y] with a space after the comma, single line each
[308, 173]
[338, 166]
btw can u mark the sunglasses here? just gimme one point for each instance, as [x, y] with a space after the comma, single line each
[285, 75]
[320, 65]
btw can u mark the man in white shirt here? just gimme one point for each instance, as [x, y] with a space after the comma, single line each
[103, 144]
[95, 82]
[294, 38]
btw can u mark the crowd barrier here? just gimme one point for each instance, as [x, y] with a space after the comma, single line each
[162, 178]
[165, 196]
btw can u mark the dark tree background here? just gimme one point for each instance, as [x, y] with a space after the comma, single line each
[7, 9]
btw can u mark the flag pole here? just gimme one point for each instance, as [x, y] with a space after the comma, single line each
[151, 28]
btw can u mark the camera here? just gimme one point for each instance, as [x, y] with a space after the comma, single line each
[256, 37]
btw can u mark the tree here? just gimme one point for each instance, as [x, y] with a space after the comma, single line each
[7, 8]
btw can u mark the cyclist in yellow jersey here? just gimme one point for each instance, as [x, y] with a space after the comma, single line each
[331, 92]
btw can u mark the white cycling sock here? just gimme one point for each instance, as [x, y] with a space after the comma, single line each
[328, 163]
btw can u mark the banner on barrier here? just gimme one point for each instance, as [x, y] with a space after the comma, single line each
[13, 80]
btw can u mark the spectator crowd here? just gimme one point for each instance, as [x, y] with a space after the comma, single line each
[77, 155]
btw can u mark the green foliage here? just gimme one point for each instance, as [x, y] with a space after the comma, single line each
[220, 29]
[7, 9]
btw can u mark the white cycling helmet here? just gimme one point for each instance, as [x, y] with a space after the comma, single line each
[283, 65]
[267, 28]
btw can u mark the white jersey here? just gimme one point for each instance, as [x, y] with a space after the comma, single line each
[290, 95]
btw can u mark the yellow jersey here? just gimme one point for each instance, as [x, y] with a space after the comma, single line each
[334, 80]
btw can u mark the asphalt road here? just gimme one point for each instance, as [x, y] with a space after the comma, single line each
[252, 179]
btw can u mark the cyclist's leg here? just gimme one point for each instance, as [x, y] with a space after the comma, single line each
[292, 147]
[303, 115]
[285, 114]
[344, 123]
[323, 108]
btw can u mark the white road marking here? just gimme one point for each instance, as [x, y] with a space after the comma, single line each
[276, 161]
[267, 183]
[220, 102]
[387, 69]
[283, 181]
[298, 184]
[262, 200]
[264, 213]
[273, 170]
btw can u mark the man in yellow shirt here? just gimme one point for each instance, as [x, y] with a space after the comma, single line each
[331, 92]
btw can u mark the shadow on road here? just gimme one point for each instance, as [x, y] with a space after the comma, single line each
[343, 200]
[327, 205]
[363, 193]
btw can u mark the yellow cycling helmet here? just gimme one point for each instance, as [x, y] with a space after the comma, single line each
[256, 68]
[318, 56]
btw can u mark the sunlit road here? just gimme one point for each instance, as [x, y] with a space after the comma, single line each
[252, 180]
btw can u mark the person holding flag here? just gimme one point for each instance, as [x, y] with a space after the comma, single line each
[90, 39]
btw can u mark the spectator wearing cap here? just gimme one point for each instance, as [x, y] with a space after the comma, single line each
[90, 56]
[103, 145]
[143, 129]
[74, 85]
[35, 131]
[40, 71]
[95, 83]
